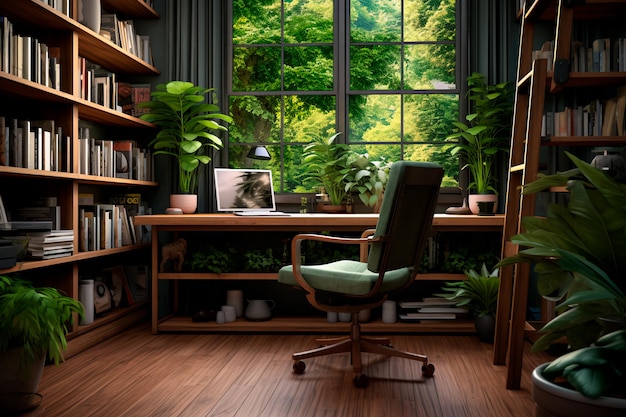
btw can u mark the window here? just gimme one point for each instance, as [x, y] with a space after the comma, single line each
[382, 72]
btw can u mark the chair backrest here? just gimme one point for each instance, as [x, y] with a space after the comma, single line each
[405, 216]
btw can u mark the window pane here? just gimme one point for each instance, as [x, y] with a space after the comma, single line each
[375, 67]
[309, 21]
[308, 68]
[256, 22]
[308, 116]
[375, 21]
[256, 69]
[377, 118]
[429, 20]
[428, 117]
[429, 67]
[254, 119]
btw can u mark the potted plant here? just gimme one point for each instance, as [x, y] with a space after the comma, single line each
[484, 136]
[578, 256]
[367, 179]
[187, 121]
[33, 324]
[479, 293]
[325, 168]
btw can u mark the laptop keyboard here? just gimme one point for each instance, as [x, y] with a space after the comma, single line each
[261, 213]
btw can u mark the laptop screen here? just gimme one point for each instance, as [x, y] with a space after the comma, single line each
[244, 189]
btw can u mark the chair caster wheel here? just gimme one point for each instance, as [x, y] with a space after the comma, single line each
[428, 370]
[299, 367]
[361, 381]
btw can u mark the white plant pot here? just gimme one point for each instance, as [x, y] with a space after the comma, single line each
[473, 199]
[552, 400]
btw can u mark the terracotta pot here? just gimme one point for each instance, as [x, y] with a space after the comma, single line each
[188, 203]
[552, 400]
[473, 200]
[330, 208]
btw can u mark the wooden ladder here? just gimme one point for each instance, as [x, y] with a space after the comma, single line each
[523, 169]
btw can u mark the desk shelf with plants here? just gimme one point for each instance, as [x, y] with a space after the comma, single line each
[168, 225]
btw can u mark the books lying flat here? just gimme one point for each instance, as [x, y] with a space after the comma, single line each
[427, 302]
[26, 225]
[429, 316]
[443, 310]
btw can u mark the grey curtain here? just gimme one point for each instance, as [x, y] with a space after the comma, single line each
[193, 32]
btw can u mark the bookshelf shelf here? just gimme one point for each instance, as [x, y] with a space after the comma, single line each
[25, 101]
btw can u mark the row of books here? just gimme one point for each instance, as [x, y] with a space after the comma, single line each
[27, 57]
[602, 55]
[597, 118]
[62, 6]
[98, 85]
[110, 225]
[101, 86]
[123, 34]
[34, 144]
[431, 309]
[105, 226]
[116, 159]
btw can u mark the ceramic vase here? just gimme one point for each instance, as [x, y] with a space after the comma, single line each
[553, 400]
[188, 203]
[89, 14]
[473, 200]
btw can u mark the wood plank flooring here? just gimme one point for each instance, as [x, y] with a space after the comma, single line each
[235, 375]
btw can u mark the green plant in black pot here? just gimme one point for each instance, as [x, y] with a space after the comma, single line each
[33, 324]
[478, 293]
[578, 255]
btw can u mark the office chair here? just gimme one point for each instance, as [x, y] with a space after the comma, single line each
[390, 257]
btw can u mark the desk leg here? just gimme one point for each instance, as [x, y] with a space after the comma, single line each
[155, 279]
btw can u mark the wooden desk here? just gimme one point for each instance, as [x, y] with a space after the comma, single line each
[296, 223]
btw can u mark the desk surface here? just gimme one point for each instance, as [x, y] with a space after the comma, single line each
[312, 221]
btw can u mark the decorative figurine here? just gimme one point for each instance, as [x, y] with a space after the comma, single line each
[174, 251]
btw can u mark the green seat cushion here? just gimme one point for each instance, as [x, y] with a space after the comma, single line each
[344, 277]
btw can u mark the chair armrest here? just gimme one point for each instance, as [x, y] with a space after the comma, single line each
[364, 251]
[296, 251]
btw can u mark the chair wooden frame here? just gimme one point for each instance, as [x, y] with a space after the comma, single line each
[356, 344]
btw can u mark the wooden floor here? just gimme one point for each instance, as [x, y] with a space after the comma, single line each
[140, 374]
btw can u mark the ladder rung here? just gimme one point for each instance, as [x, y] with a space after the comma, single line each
[518, 168]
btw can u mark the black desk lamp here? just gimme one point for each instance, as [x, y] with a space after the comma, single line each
[259, 152]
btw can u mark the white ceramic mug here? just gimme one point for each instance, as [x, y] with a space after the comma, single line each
[220, 318]
[331, 317]
[230, 314]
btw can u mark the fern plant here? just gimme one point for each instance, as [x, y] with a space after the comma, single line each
[35, 319]
[479, 292]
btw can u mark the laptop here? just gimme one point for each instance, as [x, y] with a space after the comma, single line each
[246, 192]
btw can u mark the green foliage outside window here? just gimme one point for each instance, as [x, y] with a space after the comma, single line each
[288, 87]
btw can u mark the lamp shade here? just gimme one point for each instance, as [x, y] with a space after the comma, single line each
[259, 152]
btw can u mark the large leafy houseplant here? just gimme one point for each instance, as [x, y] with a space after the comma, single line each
[486, 132]
[325, 167]
[187, 122]
[367, 178]
[578, 255]
[34, 319]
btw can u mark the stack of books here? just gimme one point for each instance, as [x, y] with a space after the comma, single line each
[431, 309]
[52, 244]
